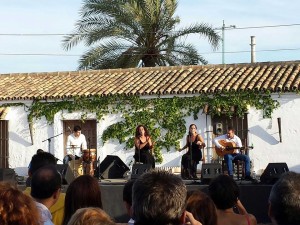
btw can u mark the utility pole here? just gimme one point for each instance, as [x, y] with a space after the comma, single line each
[223, 40]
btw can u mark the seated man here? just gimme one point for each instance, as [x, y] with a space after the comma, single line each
[284, 201]
[75, 143]
[230, 137]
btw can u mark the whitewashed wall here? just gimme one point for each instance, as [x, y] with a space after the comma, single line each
[263, 134]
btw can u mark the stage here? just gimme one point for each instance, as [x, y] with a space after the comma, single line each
[253, 196]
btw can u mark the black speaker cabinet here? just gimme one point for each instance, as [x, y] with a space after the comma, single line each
[112, 167]
[66, 173]
[139, 169]
[210, 171]
[7, 175]
[273, 172]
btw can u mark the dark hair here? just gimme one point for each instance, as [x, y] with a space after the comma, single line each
[137, 132]
[41, 159]
[224, 192]
[127, 192]
[76, 128]
[202, 208]
[16, 207]
[39, 151]
[191, 126]
[230, 128]
[45, 182]
[284, 199]
[158, 197]
[83, 192]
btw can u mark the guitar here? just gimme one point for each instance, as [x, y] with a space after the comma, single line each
[229, 148]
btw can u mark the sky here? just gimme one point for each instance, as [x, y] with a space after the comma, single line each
[59, 17]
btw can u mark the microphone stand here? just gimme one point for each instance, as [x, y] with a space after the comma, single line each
[191, 155]
[49, 140]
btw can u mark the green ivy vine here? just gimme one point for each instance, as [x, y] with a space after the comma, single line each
[164, 117]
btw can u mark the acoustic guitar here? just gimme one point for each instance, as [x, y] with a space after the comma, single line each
[229, 148]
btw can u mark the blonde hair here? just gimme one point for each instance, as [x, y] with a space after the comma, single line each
[90, 216]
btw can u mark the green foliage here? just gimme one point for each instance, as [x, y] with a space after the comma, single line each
[123, 34]
[164, 117]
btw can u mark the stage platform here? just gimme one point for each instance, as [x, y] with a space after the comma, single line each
[254, 197]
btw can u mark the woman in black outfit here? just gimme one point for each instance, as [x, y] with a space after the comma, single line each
[189, 161]
[143, 146]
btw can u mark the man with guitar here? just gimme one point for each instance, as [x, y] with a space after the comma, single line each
[229, 146]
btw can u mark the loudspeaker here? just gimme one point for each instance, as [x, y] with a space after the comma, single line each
[219, 129]
[210, 171]
[7, 175]
[139, 169]
[273, 172]
[66, 172]
[113, 167]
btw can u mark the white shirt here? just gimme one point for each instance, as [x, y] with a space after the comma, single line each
[79, 142]
[46, 217]
[225, 137]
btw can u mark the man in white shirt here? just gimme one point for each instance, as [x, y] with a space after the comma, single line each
[231, 137]
[75, 143]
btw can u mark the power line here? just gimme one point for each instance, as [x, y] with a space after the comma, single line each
[203, 53]
[175, 31]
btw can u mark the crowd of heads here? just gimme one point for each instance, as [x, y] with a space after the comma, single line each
[156, 197]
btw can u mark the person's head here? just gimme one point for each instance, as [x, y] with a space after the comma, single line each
[192, 129]
[284, 200]
[230, 132]
[39, 151]
[39, 160]
[83, 192]
[224, 192]
[77, 131]
[16, 207]
[46, 184]
[141, 130]
[158, 197]
[127, 195]
[90, 216]
[202, 208]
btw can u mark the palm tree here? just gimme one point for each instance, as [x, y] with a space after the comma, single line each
[126, 33]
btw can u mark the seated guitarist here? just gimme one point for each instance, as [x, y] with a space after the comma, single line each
[235, 141]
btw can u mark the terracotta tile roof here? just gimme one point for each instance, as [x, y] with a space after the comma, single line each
[273, 76]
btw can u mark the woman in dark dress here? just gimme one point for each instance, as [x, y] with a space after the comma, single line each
[189, 161]
[143, 146]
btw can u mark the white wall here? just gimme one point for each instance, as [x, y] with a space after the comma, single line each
[263, 134]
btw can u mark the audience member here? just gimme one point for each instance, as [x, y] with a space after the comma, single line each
[45, 189]
[225, 194]
[16, 208]
[284, 200]
[159, 197]
[83, 192]
[127, 199]
[90, 216]
[202, 208]
[39, 160]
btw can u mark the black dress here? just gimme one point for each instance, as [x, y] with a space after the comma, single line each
[144, 156]
[190, 161]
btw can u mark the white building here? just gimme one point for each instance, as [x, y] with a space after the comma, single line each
[20, 139]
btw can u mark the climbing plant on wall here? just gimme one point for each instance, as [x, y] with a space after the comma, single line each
[164, 117]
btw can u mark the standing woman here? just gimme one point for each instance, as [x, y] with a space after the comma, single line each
[189, 161]
[143, 146]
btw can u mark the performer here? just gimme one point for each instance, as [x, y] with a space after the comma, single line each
[75, 143]
[231, 137]
[189, 161]
[143, 146]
